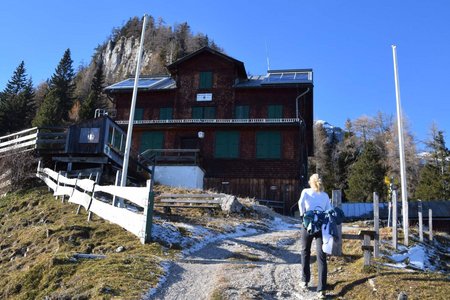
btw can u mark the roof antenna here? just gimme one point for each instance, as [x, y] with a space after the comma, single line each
[267, 57]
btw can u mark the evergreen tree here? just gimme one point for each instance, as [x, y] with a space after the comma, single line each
[62, 83]
[94, 99]
[49, 112]
[17, 105]
[366, 175]
[59, 99]
[434, 180]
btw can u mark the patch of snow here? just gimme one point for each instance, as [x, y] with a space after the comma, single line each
[417, 257]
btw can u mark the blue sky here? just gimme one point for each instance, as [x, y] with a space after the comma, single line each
[346, 43]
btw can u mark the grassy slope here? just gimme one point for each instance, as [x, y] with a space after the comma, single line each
[38, 237]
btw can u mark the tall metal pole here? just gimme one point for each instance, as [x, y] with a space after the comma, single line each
[401, 150]
[126, 156]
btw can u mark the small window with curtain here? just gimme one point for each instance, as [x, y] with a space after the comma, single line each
[275, 111]
[206, 80]
[268, 144]
[241, 112]
[166, 113]
[227, 144]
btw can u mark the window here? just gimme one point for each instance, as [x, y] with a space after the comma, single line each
[166, 113]
[151, 140]
[227, 144]
[275, 111]
[206, 80]
[138, 114]
[203, 112]
[241, 112]
[268, 144]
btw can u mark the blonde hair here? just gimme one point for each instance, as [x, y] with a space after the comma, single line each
[315, 182]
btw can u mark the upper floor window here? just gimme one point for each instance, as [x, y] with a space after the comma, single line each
[166, 113]
[203, 112]
[275, 111]
[268, 144]
[138, 114]
[206, 80]
[241, 112]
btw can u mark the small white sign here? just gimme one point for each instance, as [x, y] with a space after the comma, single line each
[204, 97]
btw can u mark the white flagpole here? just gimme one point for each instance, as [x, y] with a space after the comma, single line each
[126, 156]
[401, 150]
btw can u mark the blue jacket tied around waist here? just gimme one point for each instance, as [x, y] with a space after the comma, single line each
[314, 219]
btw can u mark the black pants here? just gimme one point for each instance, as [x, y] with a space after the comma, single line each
[306, 241]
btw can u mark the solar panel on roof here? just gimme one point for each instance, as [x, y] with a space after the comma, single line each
[286, 77]
[142, 83]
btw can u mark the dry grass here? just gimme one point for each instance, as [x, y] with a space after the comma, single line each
[38, 238]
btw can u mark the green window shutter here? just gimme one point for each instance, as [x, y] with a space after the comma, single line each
[241, 112]
[151, 140]
[166, 113]
[275, 111]
[138, 114]
[209, 112]
[268, 144]
[206, 80]
[197, 112]
[227, 144]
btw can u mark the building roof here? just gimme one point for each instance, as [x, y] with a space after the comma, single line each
[278, 77]
[144, 83]
[240, 65]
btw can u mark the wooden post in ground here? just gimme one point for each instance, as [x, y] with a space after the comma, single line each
[394, 219]
[366, 247]
[430, 224]
[376, 224]
[337, 202]
[419, 208]
[148, 214]
[389, 222]
[57, 184]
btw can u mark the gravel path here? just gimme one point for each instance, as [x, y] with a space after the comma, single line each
[262, 266]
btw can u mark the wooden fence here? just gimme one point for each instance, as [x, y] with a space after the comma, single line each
[21, 141]
[136, 216]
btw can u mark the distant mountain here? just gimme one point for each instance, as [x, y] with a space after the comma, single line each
[331, 130]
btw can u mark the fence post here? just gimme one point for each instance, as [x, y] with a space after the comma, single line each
[57, 184]
[419, 204]
[148, 214]
[337, 202]
[116, 200]
[389, 222]
[366, 246]
[394, 219]
[376, 225]
[430, 224]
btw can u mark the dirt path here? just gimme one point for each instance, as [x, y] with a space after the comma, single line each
[262, 266]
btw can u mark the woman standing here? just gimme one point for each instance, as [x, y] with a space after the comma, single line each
[312, 202]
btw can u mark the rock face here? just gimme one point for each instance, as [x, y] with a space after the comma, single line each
[120, 58]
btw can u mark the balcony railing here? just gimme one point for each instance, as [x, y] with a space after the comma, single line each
[213, 121]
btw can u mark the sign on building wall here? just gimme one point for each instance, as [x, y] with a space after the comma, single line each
[204, 97]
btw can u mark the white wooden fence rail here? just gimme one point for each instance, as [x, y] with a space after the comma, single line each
[20, 141]
[83, 192]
